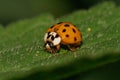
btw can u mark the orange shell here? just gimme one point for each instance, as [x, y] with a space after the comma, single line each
[68, 32]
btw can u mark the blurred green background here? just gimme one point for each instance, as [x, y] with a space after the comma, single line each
[12, 10]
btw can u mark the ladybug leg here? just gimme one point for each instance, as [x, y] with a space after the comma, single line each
[55, 49]
[72, 47]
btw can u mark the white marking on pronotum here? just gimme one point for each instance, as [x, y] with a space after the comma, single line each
[45, 37]
[53, 33]
[56, 41]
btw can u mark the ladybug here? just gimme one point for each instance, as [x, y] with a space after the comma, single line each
[63, 33]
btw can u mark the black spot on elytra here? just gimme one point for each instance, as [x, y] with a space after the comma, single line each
[64, 30]
[52, 26]
[67, 35]
[74, 30]
[59, 22]
[66, 25]
[75, 38]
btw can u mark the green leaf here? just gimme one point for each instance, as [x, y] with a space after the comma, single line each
[22, 55]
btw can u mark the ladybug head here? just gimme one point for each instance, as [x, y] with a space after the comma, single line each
[52, 42]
